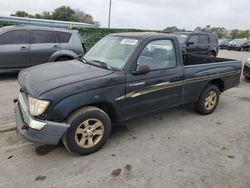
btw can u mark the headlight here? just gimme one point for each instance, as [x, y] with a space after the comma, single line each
[37, 107]
[248, 61]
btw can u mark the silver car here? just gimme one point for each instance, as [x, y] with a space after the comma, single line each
[26, 46]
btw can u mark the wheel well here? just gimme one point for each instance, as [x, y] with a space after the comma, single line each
[109, 109]
[64, 56]
[219, 83]
[212, 51]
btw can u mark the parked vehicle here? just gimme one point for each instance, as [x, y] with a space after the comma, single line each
[198, 43]
[237, 44]
[25, 46]
[246, 46]
[224, 43]
[246, 70]
[123, 76]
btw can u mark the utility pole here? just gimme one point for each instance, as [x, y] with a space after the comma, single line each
[110, 6]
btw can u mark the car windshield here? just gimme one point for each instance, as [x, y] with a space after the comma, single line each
[113, 51]
[181, 37]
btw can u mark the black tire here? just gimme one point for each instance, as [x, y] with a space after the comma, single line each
[200, 105]
[211, 54]
[63, 59]
[77, 119]
[247, 78]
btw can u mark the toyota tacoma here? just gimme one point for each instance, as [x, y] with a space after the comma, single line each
[123, 76]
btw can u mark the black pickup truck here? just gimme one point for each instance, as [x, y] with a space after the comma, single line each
[123, 76]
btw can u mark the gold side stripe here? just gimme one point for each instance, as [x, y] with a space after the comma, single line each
[166, 85]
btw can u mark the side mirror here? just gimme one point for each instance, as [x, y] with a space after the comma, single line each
[142, 69]
[190, 43]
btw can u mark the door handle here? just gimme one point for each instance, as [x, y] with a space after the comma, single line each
[56, 46]
[23, 48]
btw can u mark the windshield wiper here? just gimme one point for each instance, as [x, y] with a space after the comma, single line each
[80, 58]
[103, 64]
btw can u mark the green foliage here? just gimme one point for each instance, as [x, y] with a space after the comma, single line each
[93, 35]
[173, 29]
[45, 15]
[219, 31]
[20, 14]
[222, 32]
[4, 24]
[64, 13]
[80, 16]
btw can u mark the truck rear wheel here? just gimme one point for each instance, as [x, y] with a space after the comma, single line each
[90, 128]
[208, 100]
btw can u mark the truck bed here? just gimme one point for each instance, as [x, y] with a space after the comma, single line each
[195, 59]
[199, 70]
[208, 67]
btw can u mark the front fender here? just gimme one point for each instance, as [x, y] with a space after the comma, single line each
[65, 107]
[62, 53]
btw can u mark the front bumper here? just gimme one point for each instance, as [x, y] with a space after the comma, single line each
[51, 132]
[246, 71]
[234, 48]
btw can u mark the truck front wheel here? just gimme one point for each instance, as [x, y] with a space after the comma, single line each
[90, 128]
[208, 100]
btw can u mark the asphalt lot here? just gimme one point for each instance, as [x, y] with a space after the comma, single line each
[173, 148]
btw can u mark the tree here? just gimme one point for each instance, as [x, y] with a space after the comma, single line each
[80, 16]
[46, 15]
[198, 29]
[234, 33]
[173, 29]
[20, 14]
[64, 13]
[88, 19]
[243, 34]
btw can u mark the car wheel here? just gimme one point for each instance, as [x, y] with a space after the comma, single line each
[208, 100]
[90, 128]
[211, 54]
[247, 78]
[63, 59]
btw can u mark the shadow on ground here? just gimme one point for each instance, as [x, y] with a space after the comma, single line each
[8, 76]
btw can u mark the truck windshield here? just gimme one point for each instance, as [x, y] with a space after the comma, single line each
[181, 37]
[113, 51]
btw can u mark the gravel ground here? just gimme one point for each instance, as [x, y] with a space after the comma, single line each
[173, 148]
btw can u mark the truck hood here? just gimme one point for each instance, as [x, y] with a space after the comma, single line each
[42, 78]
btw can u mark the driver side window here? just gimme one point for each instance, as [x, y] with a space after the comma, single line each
[193, 39]
[158, 54]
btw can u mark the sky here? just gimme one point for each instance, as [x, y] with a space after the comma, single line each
[148, 14]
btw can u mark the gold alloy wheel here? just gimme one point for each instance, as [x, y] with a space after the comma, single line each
[89, 133]
[211, 100]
